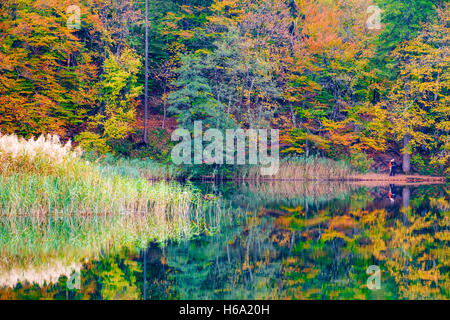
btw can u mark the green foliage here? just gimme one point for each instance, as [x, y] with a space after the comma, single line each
[426, 166]
[158, 148]
[419, 163]
[195, 99]
[92, 142]
[403, 20]
[361, 162]
[118, 89]
[418, 99]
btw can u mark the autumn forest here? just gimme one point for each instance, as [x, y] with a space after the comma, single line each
[339, 80]
[95, 93]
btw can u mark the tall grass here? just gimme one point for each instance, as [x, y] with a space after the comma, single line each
[305, 168]
[43, 176]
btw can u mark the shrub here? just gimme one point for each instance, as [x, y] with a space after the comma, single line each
[361, 162]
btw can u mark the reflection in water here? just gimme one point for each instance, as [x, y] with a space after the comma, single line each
[405, 197]
[281, 241]
[392, 192]
[39, 276]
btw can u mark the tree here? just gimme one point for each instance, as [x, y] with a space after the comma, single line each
[115, 117]
[418, 101]
[403, 20]
[194, 100]
[146, 75]
[47, 71]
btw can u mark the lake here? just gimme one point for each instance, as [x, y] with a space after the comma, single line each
[273, 240]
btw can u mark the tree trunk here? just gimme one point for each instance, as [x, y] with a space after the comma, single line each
[406, 156]
[164, 107]
[146, 75]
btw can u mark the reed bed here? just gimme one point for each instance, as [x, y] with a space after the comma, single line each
[45, 177]
[304, 168]
[57, 209]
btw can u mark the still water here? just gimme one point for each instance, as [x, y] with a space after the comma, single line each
[278, 240]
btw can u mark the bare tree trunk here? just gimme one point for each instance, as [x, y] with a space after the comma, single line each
[146, 75]
[164, 118]
[294, 122]
[164, 106]
[406, 156]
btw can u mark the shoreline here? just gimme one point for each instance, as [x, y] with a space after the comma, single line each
[371, 178]
[398, 178]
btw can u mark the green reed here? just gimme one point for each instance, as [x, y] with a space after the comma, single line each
[43, 177]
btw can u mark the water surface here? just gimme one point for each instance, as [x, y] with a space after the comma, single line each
[278, 240]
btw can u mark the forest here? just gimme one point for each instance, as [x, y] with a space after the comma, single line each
[359, 81]
[94, 206]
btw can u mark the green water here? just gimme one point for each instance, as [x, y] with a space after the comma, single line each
[275, 241]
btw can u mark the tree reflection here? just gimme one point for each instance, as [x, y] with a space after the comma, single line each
[276, 246]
